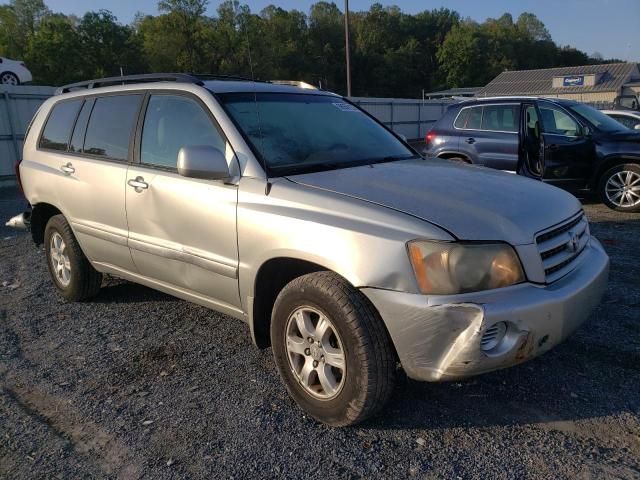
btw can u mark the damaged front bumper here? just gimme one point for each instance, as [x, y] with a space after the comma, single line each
[446, 338]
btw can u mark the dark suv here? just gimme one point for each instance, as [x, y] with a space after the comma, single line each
[562, 142]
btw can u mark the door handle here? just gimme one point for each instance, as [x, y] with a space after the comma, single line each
[68, 169]
[139, 184]
[553, 146]
[470, 140]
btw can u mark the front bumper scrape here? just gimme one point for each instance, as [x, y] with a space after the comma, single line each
[439, 338]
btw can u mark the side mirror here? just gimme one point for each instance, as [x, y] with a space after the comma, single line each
[585, 131]
[202, 161]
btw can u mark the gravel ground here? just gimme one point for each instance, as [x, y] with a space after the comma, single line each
[137, 384]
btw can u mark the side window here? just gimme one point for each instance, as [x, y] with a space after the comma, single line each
[557, 122]
[59, 125]
[469, 118]
[503, 118]
[77, 139]
[172, 122]
[110, 126]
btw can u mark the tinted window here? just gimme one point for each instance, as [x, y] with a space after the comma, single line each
[77, 139]
[296, 133]
[469, 118]
[110, 126]
[503, 118]
[172, 122]
[59, 124]
[557, 121]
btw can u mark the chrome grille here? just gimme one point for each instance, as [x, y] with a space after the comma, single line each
[560, 246]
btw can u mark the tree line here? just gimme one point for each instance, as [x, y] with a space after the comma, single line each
[392, 53]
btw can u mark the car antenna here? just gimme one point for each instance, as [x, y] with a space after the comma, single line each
[255, 96]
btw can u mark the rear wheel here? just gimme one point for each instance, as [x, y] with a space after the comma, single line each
[331, 349]
[71, 272]
[619, 188]
[8, 78]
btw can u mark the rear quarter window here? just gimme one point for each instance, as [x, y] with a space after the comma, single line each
[469, 118]
[57, 130]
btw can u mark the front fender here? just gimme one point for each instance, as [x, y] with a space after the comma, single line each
[362, 242]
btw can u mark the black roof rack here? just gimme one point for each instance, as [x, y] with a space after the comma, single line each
[126, 79]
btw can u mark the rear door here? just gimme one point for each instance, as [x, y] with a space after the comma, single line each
[92, 173]
[182, 231]
[568, 154]
[499, 147]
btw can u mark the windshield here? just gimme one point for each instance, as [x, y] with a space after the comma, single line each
[599, 120]
[301, 133]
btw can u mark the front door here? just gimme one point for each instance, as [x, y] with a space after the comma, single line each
[568, 153]
[182, 231]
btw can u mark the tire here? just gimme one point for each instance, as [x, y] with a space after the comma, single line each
[71, 272]
[366, 381]
[9, 78]
[611, 188]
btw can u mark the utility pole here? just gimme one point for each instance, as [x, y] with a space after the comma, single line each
[346, 48]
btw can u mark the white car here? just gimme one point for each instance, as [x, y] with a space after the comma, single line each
[14, 72]
[629, 118]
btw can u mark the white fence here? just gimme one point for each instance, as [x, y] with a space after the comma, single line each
[17, 107]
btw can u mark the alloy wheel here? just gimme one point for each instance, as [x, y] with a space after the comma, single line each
[9, 79]
[60, 259]
[315, 353]
[623, 189]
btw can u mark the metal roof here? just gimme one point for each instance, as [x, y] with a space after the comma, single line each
[539, 82]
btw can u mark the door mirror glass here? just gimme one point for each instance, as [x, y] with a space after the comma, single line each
[585, 131]
[202, 161]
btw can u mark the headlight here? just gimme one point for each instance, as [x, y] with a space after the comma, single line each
[450, 268]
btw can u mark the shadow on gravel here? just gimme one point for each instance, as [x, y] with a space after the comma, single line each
[128, 292]
[526, 395]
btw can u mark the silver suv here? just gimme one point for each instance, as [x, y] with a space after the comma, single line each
[298, 213]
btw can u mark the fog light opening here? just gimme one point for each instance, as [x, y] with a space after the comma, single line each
[493, 336]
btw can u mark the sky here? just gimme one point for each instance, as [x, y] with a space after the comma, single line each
[610, 27]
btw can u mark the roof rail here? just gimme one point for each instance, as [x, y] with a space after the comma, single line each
[294, 83]
[126, 79]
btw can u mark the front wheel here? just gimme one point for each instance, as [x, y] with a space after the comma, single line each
[332, 349]
[619, 188]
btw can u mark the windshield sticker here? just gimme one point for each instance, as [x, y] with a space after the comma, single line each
[345, 107]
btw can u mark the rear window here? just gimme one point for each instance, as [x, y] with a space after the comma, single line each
[110, 126]
[59, 125]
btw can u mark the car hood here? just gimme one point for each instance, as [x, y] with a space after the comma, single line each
[471, 203]
[625, 136]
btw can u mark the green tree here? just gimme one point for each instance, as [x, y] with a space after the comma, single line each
[183, 17]
[54, 52]
[461, 56]
[107, 46]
